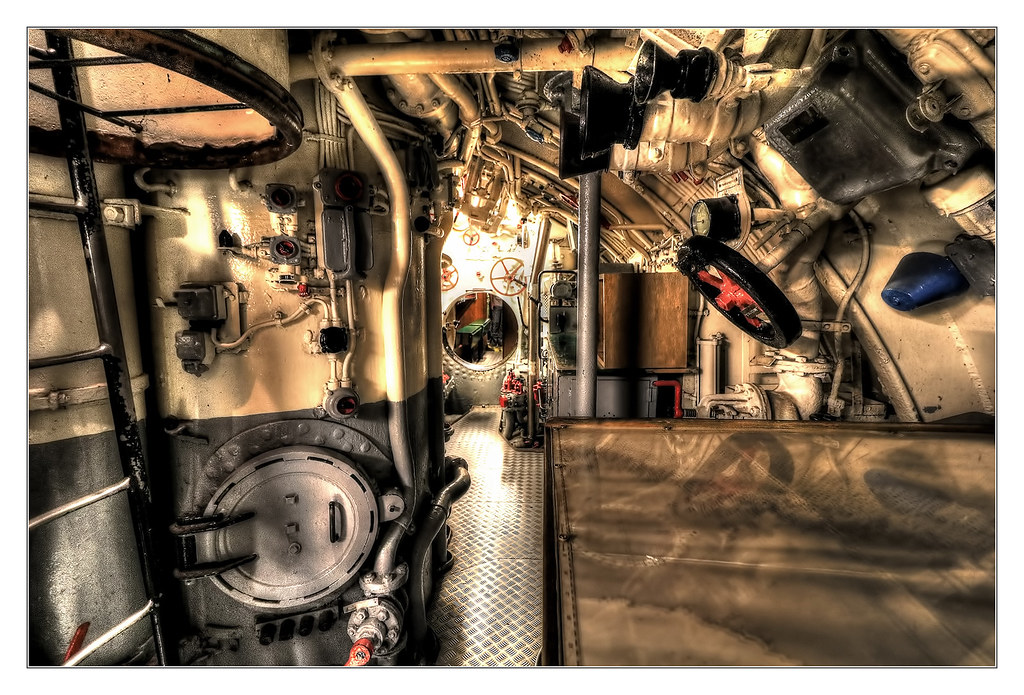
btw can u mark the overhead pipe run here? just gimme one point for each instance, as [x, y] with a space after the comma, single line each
[535, 55]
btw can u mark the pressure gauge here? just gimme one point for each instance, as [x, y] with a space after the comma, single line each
[717, 218]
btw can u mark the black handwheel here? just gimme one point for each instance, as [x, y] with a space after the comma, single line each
[738, 289]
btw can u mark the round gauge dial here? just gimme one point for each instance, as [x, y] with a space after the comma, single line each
[700, 218]
[717, 218]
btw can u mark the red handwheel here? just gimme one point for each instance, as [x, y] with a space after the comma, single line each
[740, 291]
[472, 237]
[508, 276]
[449, 278]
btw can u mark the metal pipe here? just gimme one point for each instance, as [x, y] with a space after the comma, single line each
[798, 233]
[539, 257]
[282, 321]
[420, 570]
[707, 365]
[535, 55]
[75, 505]
[585, 396]
[677, 394]
[888, 372]
[469, 111]
[140, 181]
[352, 101]
[350, 304]
[109, 635]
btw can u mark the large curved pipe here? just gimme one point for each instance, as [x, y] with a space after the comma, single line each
[420, 579]
[469, 111]
[352, 101]
[535, 55]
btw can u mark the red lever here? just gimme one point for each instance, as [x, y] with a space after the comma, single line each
[76, 642]
[362, 652]
[732, 296]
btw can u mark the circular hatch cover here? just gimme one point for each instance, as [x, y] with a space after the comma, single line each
[315, 523]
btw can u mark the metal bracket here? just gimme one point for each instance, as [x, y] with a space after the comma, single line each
[827, 326]
[122, 212]
[185, 531]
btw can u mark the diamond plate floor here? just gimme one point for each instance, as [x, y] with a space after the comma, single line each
[487, 611]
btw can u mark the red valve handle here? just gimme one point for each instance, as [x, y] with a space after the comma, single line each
[361, 653]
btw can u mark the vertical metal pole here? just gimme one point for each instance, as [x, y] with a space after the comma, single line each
[108, 322]
[588, 255]
[533, 325]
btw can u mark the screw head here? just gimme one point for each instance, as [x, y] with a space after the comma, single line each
[294, 549]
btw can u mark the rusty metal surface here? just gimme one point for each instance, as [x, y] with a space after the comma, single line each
[198, 58]
[698, 543]
[487, 611]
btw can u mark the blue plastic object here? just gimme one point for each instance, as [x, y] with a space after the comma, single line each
[922, 278]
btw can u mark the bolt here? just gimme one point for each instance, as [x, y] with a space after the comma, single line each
[383, 615]
[392, 635]
[391, 94]
[294, 549]
[359, 616]
[393, 508]
[950, 164]
[403, 104]
[435, 103]
[113, 214]
[419, 108]
[924, 68]
[655, 154]
[965, 111]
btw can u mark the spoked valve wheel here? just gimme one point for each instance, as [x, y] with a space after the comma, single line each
[449, 278]
[471, 237]
[738, 289]
[508, 277]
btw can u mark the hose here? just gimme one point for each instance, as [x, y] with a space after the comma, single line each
[865, 257]
[419, 580]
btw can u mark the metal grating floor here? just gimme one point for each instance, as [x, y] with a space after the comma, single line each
[487, 610]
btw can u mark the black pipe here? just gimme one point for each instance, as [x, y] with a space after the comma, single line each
[420, 579]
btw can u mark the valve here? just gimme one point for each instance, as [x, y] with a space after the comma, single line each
[741, 292]
[361, 653]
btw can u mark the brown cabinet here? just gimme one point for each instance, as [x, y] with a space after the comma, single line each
[643, 321]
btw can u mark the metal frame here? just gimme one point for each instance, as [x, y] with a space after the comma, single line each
[111, 349]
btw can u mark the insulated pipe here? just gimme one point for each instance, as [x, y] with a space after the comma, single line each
[585, 397]
[352, 101]
[535, 55]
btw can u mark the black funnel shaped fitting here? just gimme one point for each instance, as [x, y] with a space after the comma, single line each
[687, 76]
[608, 114]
